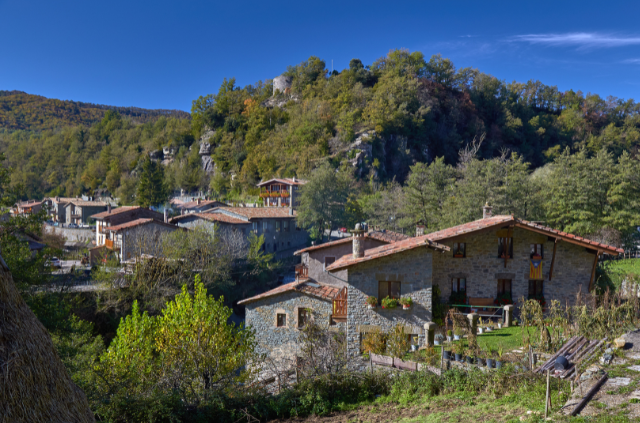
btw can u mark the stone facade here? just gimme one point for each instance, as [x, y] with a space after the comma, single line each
[482, 268]
[276, 341]
[315, 260]
[413, 269]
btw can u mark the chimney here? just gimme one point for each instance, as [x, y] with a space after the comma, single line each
[486, 211]
[420, 229]
[358, 241]
[108, 208]
[166, 216]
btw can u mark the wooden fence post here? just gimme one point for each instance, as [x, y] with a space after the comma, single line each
[546, 399]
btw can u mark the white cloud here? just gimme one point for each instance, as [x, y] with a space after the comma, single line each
[632, 61]
[579, 39]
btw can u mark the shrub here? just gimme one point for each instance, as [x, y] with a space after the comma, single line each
[398, 341]
[374, 343]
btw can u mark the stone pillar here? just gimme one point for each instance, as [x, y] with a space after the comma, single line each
[508, 316]
[473, 322]
[430, 332]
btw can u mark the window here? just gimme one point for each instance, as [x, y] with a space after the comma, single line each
[459, 285]
[303, 317]
[281, 320]
[459, 249]
[501, 247]
[254, 227]
[388, 289]
[536, 289]
[504, 287]
[328, 261]
[265, 226]
[275, 246]
[277, 226]
[537, 251]
[285, 226]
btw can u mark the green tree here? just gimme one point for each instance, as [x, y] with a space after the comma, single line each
[323, 199]
[151, 187]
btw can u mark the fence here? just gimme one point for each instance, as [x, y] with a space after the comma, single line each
[382, 360]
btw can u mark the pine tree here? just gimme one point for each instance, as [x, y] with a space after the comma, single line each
[151, 187]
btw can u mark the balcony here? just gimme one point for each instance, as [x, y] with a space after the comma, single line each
[302, 271]
[340, 306]
[109, 244]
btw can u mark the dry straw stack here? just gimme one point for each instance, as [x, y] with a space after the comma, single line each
[34, 385]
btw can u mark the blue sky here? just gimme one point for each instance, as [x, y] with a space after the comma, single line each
[164, 54]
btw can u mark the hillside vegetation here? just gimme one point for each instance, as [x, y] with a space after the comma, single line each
[403, 108]
[19, 110]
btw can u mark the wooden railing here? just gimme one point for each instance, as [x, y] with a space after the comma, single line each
[108, 243]
[340, 304]
[302, 271]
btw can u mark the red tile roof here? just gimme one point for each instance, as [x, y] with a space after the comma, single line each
[467, 228]
[255, 212]
[138, 222]
[194, 204]
[287, 181]
[383, 236]
[115, 211]
[386, 250]
[212, 217]
[314, 289]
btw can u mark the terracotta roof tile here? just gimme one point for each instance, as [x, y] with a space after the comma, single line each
[255, 212]
[115, 211]
[383, 236]
[212, 217]
[138, 222]
[315, 289]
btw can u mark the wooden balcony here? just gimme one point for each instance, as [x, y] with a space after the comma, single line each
[109, 244]
[302, 271]
[340, 306]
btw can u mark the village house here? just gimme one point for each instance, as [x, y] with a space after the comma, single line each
[27, 207]
[119, 216]
[494, 259]
[281, 192]
[79, 211]
[57, 208]
[278, 225]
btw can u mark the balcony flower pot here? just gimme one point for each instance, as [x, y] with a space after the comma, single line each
[372, 303]
[389, 303]
[406, 307]
[490, 363]
[371, 307]
[406, 302]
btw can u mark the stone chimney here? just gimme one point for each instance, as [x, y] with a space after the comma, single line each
[166, 216]
[108, 208]
[486, 211]
[420, 229]
[358, 241]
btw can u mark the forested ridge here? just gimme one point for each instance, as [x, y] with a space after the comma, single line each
[19, 110]
[412, 110]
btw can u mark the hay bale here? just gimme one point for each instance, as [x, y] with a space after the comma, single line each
[34, 384]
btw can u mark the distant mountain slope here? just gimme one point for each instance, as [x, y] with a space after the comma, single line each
[19, 110]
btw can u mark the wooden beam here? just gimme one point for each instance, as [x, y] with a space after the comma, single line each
[553, 259]
[506, 253]
[565, 238]
[593, 271]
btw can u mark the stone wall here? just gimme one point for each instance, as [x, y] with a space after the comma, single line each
[315, 261]
[413, 269]
[71, 234]
[482, 268]
[278, 341]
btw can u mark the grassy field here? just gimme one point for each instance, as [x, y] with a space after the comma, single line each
[617, 270]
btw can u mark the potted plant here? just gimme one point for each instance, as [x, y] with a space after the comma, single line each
[447, 352]
[457, 334]
[414, 345]
[389, 303]
[458, 350]
[284, 194]
[275, 194]
[372, 302]
[449, 335]
[499, 353]
[500, 324]
[406, 302]
[437, 339]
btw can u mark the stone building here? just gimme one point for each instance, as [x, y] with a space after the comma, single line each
[57, 208]
[496, 258]
[79, 211]
[119, 216]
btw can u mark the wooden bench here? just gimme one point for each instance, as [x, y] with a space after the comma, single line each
[476, 303]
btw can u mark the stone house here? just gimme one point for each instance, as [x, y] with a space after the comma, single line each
[474, 264]
[137, 238]
[315, 259]
[27, 207]
[281, 192]
[118, 216]
[79, 211]
[57, 208]
[278, 225]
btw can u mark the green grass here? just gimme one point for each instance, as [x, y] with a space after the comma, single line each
[618, 269]
[509, 338]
